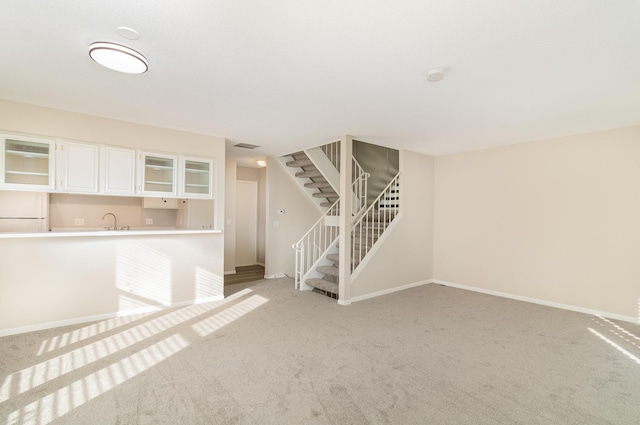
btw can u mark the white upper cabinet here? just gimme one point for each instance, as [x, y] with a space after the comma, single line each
[27, 163]
[78, 167]
[158, 174]
[196, 177]
[47, 165]
[118, 167]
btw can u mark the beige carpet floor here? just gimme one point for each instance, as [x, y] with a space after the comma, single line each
[271, 355]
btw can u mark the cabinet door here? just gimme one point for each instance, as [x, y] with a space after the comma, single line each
[78, 167]
[196, 177]
[27, 163]
[158, 174]
[199, 214]
[118, 171]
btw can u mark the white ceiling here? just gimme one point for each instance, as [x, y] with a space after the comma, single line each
[289, 74]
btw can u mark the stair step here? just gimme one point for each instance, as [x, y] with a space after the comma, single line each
[300, 163]
[318, 185]
[322, 284]
[330, 270]
[326, 204]
[333, 257]
[308, 174]
[328, 195]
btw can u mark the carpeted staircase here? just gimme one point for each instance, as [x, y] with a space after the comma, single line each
[315, 179]
[362, 239]
[317, 252]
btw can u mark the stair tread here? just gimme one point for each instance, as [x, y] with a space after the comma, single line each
[333, 257]
[330, 270]
[328, 195]
[309, 174]
[323, 284]
[299, 163]
[318, 185]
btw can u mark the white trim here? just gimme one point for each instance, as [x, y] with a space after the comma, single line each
[106, 316]
[540, 302]
[343, 302]
[230, 272]
[104, 233]
[260, 264]
[387, 291]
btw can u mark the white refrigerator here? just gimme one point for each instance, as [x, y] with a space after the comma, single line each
[24, 212]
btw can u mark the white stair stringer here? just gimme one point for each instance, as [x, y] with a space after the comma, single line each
[324, 165]
[376, 246]
[313, 273]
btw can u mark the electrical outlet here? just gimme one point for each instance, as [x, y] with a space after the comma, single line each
[79, 222]
[149, 221]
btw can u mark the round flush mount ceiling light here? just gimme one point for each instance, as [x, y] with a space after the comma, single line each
[436, 74]
[117, 57]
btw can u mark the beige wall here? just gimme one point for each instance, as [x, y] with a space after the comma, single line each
[300, 214]
[65, 279]
[230, 220]
[556, 220]
[406, 256]
[64, 208]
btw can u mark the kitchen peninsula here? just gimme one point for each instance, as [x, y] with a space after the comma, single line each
[53, 278]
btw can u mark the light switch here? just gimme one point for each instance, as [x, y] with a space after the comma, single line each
[79, 221]
[276, 223]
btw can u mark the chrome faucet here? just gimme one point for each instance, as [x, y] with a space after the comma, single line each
[115, 220]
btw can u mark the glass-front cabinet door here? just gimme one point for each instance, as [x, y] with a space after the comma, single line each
[197, 177]
[27, 163]
[158, 174]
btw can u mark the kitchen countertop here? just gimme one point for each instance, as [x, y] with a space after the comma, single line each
[65, 233]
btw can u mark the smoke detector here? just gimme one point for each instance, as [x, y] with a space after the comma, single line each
[436, 74]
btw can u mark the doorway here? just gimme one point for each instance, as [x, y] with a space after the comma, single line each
[246, 222]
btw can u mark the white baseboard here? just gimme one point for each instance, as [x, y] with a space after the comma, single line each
[230, 272]
[386, 291]
[540, 302]
[106, 316]
[260, 264]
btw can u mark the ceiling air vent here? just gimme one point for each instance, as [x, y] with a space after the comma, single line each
[245, 146]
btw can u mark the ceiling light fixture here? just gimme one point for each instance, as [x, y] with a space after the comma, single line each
[261, 163]
[117, 57]
[436, 74]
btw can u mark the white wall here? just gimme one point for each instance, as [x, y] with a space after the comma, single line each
[62, 279]
[300, 214]
[262, 214]
[556, 220]
[406, 255]
[258, 175]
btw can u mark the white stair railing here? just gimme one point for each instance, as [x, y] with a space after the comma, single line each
[332, 150]
[367, 229]
[359, 189]
[313, 245]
